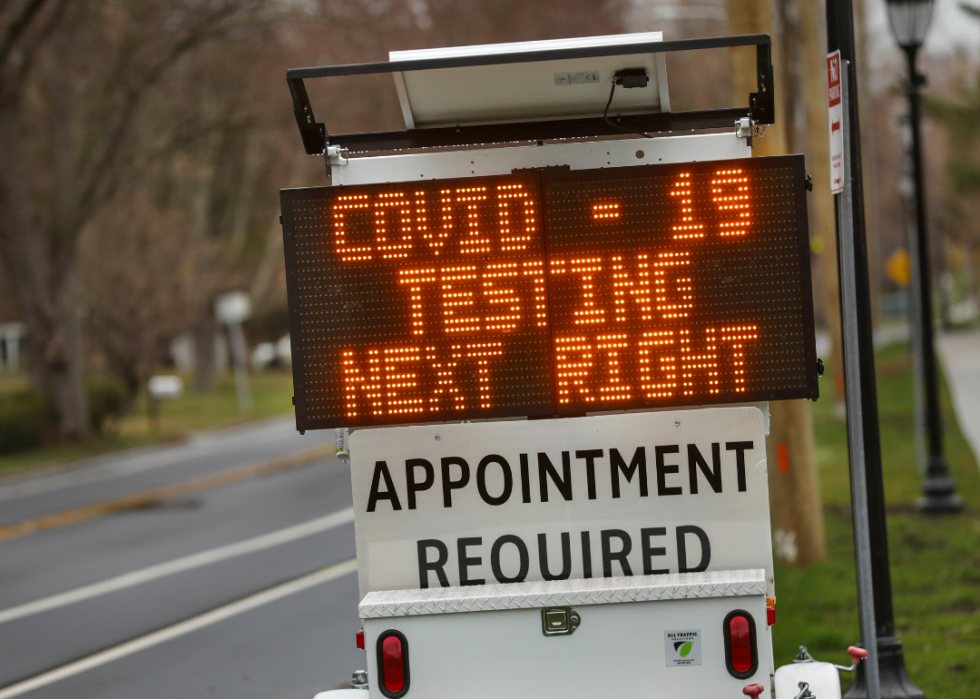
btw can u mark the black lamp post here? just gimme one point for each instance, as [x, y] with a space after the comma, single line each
[909, 20]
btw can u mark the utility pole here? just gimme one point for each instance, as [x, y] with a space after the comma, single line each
[813, 80]
[895, 683]
[794, 487]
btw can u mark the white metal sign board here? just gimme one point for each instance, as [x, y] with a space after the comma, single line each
[595, 497]
[836, 123]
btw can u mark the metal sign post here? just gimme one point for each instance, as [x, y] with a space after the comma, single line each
[894, 681]
[855, 408]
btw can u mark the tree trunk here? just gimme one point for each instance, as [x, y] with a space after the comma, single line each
[797, 514]
[817, 144]
[794, 491]
[868, 140]
[204, 352]
[47, 297]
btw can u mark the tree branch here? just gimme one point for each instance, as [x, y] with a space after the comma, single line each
[973, 10]
[94, 193]
[18, 27]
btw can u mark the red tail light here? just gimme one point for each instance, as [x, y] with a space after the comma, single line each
[738, 632]
[393, 664]
[741, 655]
[394, 668]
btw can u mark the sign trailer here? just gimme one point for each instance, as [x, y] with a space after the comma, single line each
[564, 345]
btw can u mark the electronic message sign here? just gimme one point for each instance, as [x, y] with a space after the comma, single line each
[550, 292]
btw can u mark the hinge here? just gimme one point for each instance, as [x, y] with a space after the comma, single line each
[743, 128]
[337, 155]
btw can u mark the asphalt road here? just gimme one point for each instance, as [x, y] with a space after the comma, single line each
[221, 593]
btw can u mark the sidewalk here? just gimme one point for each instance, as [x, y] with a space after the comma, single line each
[960, 354]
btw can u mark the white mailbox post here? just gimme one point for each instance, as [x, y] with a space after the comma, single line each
[232, 309]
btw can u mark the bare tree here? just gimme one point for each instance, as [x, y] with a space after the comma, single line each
[74, 79]
[136, 104]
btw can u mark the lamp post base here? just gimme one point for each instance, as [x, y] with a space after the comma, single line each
[939, 490]
[895, 682]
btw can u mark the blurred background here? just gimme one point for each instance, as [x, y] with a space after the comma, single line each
[143, 300]
[143, 147]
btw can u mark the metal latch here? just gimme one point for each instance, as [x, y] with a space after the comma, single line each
[559, 621]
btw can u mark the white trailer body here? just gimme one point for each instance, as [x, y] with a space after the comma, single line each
[657, 636]
[454, 570]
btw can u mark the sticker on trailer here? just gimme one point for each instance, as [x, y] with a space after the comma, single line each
[597, 497]
[835, 113]
[682, 648]
[555, 292]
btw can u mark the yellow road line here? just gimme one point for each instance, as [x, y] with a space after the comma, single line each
[167, 492]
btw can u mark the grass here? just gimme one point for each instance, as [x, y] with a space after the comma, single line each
[271, 395]
[935, 561]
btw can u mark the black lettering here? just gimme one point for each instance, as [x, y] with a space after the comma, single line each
[381, 471]
[696, 461]
[590, 455]
[663, 469]
[437, 566]
[739, 449]
[682, 549]
[521, 552]
[481, 479]
[412, 485]
[465, 561]
[638, 463]
[608, 555]
[525, 480]
[566, 557]
[649, 551]
[449, 485]
[586, 555]
[563, 482]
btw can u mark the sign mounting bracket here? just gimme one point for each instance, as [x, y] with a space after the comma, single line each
[316, 138]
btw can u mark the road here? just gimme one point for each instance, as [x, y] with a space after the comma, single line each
[238, 587]
[960, 352]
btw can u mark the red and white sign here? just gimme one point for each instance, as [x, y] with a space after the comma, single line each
[836, 123]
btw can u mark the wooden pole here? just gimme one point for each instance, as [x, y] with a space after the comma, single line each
[821, 205]
[793, 482]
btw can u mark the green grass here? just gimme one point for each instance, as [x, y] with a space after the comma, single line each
[10, 383]
[935, 561]
[271, 395]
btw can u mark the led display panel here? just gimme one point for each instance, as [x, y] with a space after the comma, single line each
[550, 292]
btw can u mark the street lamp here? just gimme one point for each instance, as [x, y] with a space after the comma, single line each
[909, 20]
